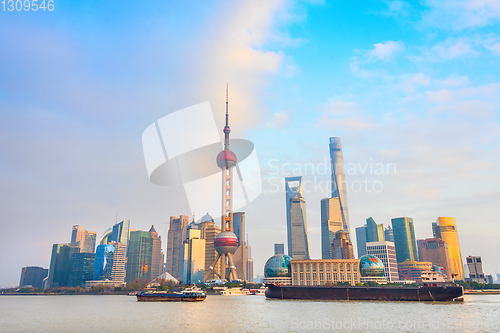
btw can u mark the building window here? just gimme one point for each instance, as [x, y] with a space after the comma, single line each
[314, 267]
[295, 278]
[348, 266]
[327, 267]
[302, 277]
[308, 282]
[334, 267]
[341, 266]
[335, 278]
[328, 277]
[315, 277]
[321, 267]
[315, 283]
[301, 267]
[342, 277]
[356, 276]
[321, 278]
[355, 267]
[308, 268]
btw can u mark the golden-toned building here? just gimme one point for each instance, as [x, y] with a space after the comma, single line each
[412, 270]
[208, 232]
[320, 271]
[446, 229]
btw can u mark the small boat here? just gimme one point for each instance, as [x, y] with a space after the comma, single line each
[192, 294]
[261, 291]
[235, 292]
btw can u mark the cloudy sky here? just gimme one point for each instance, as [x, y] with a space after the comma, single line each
[411, 88]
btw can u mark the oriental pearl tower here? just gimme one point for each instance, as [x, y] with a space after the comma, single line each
[226, 242]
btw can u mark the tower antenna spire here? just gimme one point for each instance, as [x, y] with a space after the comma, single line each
[227, 130]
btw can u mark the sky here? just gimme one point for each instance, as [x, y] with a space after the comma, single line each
[410, 87]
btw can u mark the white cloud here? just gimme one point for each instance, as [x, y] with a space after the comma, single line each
[385, 51]
[343, 115]
[461, 14]
[278, 120]
[454, 80]
[451, 48]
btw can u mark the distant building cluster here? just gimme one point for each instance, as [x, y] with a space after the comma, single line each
[391, 254]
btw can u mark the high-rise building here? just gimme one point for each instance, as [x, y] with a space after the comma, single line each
[331, 222]
[60, 265]
[105, 238]
[279, 249]
[298, 241]
[446, 229]
[386, 252]
[103, 263]
[241, 255]
[33, 276]
[489, 279]
[361, 240]
[176, 236]
[118, 271]
[120, 232]
[404, 239]
[84, 239]
[435, 250]
[338, 181]
[81, 269]
[388, 234]
[208, 232]
[475, 265]
[419, 249]
[498, 278]
[193, 257]
[239, 226]
[249, 270]
[412, 270]
[374, 231]
[140, 255]
[341, 246]
[157, 255]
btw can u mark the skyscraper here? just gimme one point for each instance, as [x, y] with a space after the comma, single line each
[241, 255]
[176, 236]
[84, 239]
[33, 276]
[118, 271]
[388, 234]
[140, 254]
[194, 257]
[419, 250]
[103, 263]
[386, 252]
[157, 255]
[404, 239]
[341, 246]
[60, 265]
[475, 265]
[279, 249]
[338, 181]
[374, 231]
[331, 222]
[361, 240]
[435, 250]
[208, 232]
[81, 269]
[120, 232]
[446, 229]
[298, 241]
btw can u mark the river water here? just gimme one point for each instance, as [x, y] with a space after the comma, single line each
[95, 313]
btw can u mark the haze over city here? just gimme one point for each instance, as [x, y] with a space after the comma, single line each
[412, 90]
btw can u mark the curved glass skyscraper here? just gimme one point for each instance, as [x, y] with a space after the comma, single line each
[298, 241]
[338, 181]
[103, 263]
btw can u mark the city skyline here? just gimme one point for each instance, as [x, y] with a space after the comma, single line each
[411, 88]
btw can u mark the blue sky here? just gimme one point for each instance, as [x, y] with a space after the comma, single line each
[410, 84]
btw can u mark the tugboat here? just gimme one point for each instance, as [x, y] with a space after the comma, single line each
[192, 294]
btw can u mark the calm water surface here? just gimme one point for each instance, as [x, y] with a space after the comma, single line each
[91, 313]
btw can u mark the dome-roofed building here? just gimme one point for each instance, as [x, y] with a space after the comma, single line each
[371, 269]
[277, 270]
[206, 218]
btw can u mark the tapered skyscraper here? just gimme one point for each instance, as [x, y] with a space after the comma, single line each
[338, 181]
[298, 241]
[334, 215]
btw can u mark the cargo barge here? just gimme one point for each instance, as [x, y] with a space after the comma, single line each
[350, 293]
[187, 295]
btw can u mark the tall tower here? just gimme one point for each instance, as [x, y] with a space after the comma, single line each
[404, 239]
[298, 240]
[338, 181]
[447, 231]
[226, 242]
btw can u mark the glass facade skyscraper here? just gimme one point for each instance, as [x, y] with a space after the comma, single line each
[140, 255]
[331, 222]
[84, 239]
[361, 240]
[81, 269]
[120, 232]
[338, 181]
[103, 264]
[404, 239]
[175, 238]
[298, 241]
[446, 229]
[33, 276]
